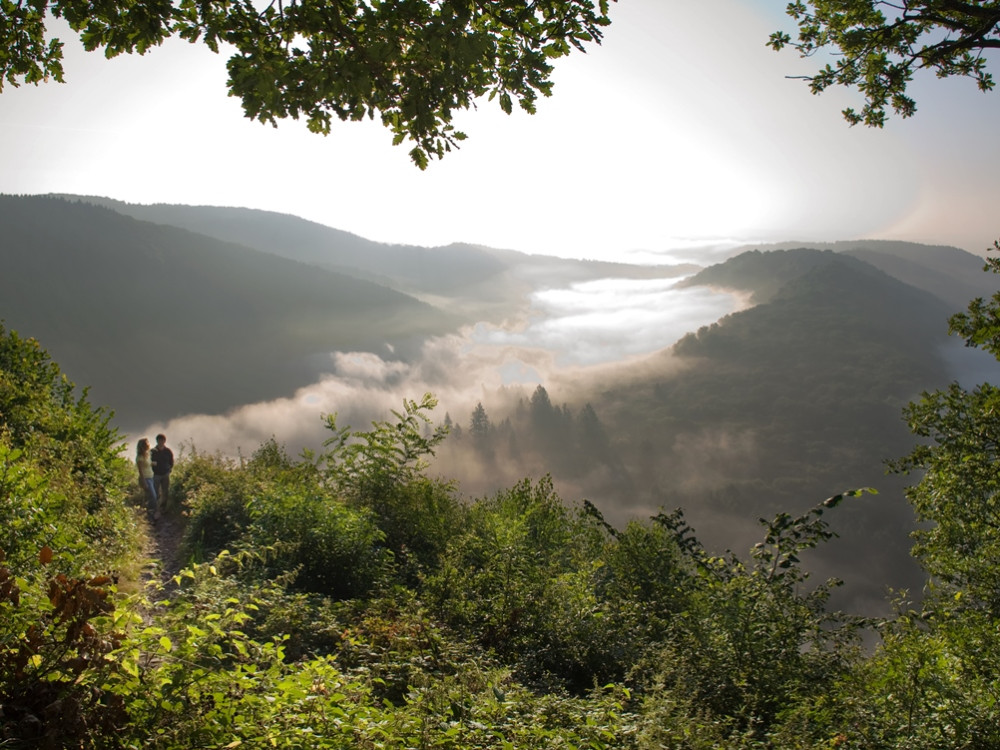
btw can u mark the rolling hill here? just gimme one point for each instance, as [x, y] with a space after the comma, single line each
[486, 283]
[795, 399]
[161, 321]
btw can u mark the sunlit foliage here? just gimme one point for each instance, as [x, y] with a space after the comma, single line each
[346, 599]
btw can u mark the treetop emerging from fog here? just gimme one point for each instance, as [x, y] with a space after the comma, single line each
[879, 45]
[412, 63]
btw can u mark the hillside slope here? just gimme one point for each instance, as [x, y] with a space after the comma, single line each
[433, 270]
[486, 283]
[950, 273]
[775, 407]
[160, 321]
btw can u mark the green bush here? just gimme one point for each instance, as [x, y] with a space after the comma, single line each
[332, 549]
[393, 645]
[41, 412]
[62, 483]
[931, 684]
[281, 509]
[753, 639]
[214, 493]
[58, 635]
[522, 581]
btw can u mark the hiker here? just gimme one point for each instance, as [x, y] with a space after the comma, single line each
[144, 462]
[163, 464]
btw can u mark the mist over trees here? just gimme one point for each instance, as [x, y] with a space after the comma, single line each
[533, 433]
[758, 413]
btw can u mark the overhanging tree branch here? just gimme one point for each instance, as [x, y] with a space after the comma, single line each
[879, 52]
[411, 63]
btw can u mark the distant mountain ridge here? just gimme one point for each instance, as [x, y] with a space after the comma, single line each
[434, 270]
[469, 274]
[954, 275]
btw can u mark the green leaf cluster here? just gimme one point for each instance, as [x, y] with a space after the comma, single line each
[879, 46]
[65, 522]
[956, 497]
[62, 481]
[412, 64]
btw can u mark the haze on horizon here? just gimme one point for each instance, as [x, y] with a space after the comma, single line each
[677, 133]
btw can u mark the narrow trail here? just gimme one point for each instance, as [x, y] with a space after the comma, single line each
[163, 559]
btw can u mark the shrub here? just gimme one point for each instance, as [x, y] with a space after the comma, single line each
[62, 482]
[522, 580]
[214, 493]
[57, 638]
[332, 549]
[751, 641]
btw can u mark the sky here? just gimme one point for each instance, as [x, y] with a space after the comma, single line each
[679, 134]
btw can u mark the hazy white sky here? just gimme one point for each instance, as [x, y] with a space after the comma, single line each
[681, 129]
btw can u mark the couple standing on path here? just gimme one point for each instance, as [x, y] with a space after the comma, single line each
[154, 473]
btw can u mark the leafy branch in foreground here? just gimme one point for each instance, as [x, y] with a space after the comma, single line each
[879, 46]
[957, 497]
[367, 465]
[412, 64]
[749, 642]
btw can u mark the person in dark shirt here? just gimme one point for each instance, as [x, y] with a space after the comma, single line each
[163, 463]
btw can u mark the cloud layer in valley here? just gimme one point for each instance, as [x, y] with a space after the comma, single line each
[567, 335]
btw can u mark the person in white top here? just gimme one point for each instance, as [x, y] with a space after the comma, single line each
[144, 463]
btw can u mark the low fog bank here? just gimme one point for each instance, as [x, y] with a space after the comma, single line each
[699, 252]
[584, 331]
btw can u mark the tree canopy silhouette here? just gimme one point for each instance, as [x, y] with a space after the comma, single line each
[879, 45]
[411, 63]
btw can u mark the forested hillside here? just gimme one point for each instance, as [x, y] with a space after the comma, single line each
[798, 397]
[161, 321]
[949, 273]
[467, 279]
[436, 270]
[811, 385]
